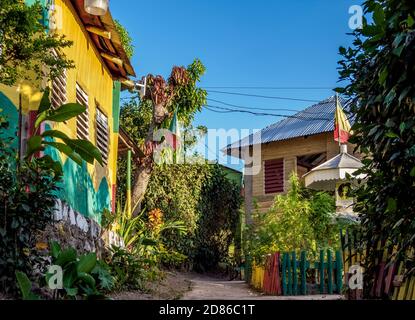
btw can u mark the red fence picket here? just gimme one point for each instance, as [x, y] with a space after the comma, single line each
[272, 282]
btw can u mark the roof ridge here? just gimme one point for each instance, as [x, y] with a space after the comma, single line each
[324, 101]
[296, 125]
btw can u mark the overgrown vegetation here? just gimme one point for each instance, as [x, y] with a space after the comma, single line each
[138, 261]
[300, 220]
[380, 67]
[73, 277]
[83, 276]
[126, 40]
[196, 194]
[28, 189]
[178, 94]
[27, 199]
[208, 203]
[27, 50]
[219, 217]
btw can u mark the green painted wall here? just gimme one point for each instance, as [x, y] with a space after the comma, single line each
[42, 2]
[233, 175]
[77, 188]
[45, 4]
[116, 105]
[9, 111]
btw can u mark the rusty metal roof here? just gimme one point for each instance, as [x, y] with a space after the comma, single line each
[318, 118]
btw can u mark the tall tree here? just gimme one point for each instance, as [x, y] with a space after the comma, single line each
[27, 45]
[381, 70]
[181, 94]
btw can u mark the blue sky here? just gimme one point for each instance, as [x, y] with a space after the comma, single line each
[242, 43]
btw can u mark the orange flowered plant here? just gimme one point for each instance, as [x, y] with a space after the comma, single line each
[155, 220]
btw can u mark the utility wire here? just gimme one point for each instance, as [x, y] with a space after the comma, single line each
[266, 109]
[260, 96]
[272, 88]
[228, 110]
[247, 95]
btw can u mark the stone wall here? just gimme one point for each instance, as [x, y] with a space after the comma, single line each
[71, 229]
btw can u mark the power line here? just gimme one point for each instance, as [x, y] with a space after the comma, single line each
[251, 95]
[266, 109]
[260, 96]
[218, 109]
[272, 88]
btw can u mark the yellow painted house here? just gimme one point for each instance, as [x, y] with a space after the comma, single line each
[101, 66]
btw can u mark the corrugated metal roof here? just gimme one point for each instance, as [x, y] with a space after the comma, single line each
[318, 118]
[342, 161]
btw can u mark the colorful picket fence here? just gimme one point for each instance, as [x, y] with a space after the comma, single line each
[288, 275]
[389, 280]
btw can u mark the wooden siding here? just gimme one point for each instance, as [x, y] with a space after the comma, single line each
[289, 150]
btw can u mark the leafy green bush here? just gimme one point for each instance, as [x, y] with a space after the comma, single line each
[297, 221]
[203, 198]
[219, 206]
[138, 262]
[78, 150]
[129, 271]
[27, 199]
[83, 276]
[28, 189]
[322, 218]
[27, 49]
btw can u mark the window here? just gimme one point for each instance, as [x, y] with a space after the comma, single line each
[82, 121]
[102, 135]
[274, 176]
[58, 92]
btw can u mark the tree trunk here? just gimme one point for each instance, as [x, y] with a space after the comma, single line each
[145, 167]
[141, 180]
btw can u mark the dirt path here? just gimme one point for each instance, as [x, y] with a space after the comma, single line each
[209, 288]
[192, 286]
[172, 287]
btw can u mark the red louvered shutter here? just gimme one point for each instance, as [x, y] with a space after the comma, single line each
[274, 176]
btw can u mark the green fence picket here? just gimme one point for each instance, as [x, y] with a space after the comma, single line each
[293, 272]
[295, 275]
[289, 276]
[303, 271]
[321, 267]
[339, 272]
[284, 274]
[329, 272]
